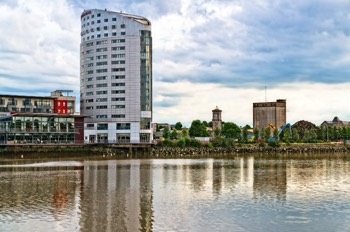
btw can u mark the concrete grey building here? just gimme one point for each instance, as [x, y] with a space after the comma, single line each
[266, 114]
[116, 77]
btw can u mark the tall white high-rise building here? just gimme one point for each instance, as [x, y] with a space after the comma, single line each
[116, 77]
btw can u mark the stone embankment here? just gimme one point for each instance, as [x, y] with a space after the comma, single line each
[251, 149]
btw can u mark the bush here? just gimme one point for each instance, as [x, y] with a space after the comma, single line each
[195, 143]
[181, 143]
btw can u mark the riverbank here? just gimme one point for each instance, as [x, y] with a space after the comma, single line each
[118, 151]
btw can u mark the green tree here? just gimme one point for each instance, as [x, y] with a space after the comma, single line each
[184, 133]
[267, 133]
[295, 135]
[275, 133]
[256, 134]
[198, 129]
[245, 134]
[205, 123]
[178, 126]
[173, 134]
[248, 126]
[217, 132]
[166, 133]
[286, 136]
[231, 130]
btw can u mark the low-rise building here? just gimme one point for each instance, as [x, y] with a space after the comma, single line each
[35, 128]
[336, 122]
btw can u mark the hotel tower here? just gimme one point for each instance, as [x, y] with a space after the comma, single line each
[116, 77]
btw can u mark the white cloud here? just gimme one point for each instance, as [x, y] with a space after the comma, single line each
[305, 101]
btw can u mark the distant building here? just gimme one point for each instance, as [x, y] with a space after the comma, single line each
[41, 128]
[56, 103]
[266, 113]
[336, 122]
[217, 120]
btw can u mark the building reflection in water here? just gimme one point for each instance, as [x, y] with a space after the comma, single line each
[117, 196]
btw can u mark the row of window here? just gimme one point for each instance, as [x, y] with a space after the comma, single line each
[113, 62]
[105, 92]
[98, 21]
[100, 78]
[102, 85]
[100, 57]
[100, 36]
[105, 70]
[112, 107]
[104, 126]
[105, 99]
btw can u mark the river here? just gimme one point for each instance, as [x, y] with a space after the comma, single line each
[243, 193]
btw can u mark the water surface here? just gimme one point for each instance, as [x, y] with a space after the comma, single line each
[239, 194]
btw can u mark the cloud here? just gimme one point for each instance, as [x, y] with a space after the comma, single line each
[305, 101]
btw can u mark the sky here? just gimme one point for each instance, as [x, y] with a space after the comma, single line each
[206, 53]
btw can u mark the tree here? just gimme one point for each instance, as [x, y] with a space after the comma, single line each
[205, 123]
[166, 133]
[231, 130]
[184, 133]
[256, 134]
[295, 135]
[286, 136]
[267, 133]
[173, 134]
[217, 132]
[198, 129]
[245, 134]
[275, 133]
[178, 126]
[248, 126]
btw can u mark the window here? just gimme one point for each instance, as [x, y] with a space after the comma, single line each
[105, 20]
[118, 41]
[118, 55]
[101, 116]
[101, 49]
[117, 106]
[101, 107]
[101, 63]
[90, 72]
[98, 36]
[93, 22]
[122, 33]
[118, 62]
[122, 26]
[117, 91]
[117, 69]
[89, 93]
[101, 57]
[89, 58]
[90, 79]
[98, 21]
[89, 107]
[118, 77]
[89, 44]
[90, 65]
[105, 28]
[90, 125]
[101, 92]
[123, 126]
[101, 42]
[101, 85]
[102, 126]
[90, 51]
[114, 19]
[118, 115]
[97, 28]
[89, 100]
[101, 78]
[105, 35]
[118, 48]
[114, 27]
[89, 86]
[118, 99]
[118, 84]
[114, 33]
[101, 99]
[101, 70]
[98, 15]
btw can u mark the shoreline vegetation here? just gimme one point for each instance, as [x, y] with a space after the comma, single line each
[170, 149]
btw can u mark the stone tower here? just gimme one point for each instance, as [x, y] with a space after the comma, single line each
[217, 122]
